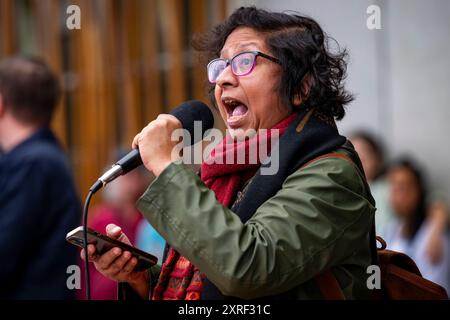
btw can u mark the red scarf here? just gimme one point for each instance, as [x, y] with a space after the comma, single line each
[179, 279]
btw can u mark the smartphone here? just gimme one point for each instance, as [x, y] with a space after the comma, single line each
[104, 243]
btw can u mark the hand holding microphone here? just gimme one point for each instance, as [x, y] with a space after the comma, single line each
[155, 144]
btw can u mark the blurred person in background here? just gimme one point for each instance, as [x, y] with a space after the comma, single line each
[372, 155]
[413, 228]
[38, 201]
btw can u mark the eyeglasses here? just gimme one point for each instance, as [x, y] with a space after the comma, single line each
[241, 64]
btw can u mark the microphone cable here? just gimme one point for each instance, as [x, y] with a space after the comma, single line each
[97, 185]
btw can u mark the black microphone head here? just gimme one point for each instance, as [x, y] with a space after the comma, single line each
[190, 112]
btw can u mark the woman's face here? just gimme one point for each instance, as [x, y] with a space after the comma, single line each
[250, 101]
[405, 191]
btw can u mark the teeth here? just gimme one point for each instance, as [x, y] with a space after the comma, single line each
[232, 103]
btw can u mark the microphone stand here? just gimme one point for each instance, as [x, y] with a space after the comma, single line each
[127, 163]
[95, 187]
[85, 243]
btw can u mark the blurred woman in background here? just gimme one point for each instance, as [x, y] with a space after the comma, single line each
[412, 230]
[373, 158]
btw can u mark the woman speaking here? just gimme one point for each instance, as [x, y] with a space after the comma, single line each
[233, 231]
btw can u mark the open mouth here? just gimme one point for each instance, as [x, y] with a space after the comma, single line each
[236, 110]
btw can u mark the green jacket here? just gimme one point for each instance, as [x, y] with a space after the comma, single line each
[320, 219]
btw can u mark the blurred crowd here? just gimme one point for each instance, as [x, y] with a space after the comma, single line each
[410, 217]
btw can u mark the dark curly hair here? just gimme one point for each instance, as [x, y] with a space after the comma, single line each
[303, 49]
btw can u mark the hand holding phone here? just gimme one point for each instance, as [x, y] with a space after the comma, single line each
[104, 243]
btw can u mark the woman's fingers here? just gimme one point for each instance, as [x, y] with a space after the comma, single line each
[135, 144]
[92, 254]
[117, 266]
[115, 232]
[106, 259]
[129, 266]
[114, 264]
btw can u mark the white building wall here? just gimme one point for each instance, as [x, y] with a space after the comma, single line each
[399, 74]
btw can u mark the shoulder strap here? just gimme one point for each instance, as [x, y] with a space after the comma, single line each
[326, 281]
[357, 163]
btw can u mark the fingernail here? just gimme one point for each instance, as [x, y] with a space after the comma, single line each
[116, 229]
[117, 251]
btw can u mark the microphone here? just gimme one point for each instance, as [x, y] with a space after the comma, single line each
[188, 112]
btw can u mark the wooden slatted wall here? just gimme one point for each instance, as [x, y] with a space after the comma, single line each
[130, 61]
